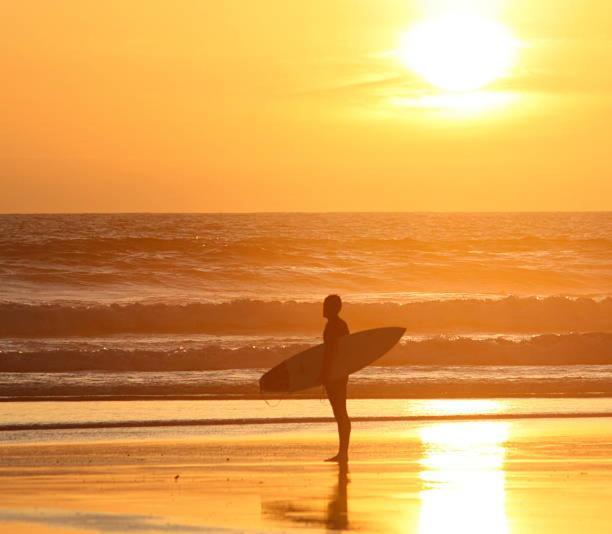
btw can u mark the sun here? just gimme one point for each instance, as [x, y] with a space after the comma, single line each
[459, 52]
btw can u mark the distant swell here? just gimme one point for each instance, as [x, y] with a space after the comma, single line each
[511, 314]
[549, 349]
[268, 247]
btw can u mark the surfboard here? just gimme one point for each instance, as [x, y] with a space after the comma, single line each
[355, 351]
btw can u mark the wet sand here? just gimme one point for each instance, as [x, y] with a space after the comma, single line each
[497, 476]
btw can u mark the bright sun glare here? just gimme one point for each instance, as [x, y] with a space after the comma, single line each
[459, 52]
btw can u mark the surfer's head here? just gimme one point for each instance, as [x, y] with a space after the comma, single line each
[332, 306]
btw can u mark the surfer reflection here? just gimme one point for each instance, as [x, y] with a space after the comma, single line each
[336, 387]
[337, 509]
[300, 513]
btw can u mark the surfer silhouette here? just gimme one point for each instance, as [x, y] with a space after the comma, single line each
[336, 387]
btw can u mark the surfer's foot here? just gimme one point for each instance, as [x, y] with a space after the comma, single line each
[339, 459]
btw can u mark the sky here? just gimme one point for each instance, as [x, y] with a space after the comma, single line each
[300, 105]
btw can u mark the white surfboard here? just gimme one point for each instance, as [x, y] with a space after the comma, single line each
[355, 351]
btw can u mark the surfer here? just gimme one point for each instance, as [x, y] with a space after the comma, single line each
[336, 388]
[330, 364]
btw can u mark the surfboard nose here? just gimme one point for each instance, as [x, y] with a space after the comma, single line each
[393, 333]
[399, 330]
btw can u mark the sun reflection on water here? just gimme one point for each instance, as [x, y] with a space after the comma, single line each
[464, 480]
[461, 406]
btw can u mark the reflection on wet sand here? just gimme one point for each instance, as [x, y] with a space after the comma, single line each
[336, 517]
[461, 488]
[463, 475]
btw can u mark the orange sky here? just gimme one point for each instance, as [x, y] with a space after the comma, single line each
[244, 105]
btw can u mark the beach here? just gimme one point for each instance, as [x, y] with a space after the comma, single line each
[495, 476]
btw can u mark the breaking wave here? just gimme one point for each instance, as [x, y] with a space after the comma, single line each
[505, 315]
[547, 349]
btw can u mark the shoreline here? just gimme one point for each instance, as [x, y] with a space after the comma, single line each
[255, 397]
[299, 420]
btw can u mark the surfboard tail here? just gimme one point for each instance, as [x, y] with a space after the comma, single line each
[275, 380]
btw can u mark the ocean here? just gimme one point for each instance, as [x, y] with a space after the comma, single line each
[197, 306]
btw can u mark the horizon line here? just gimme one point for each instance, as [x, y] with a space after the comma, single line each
[307, 212]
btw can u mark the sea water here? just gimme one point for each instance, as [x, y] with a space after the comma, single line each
[198, 305]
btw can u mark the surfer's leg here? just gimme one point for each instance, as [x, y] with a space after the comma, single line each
[344, 422]
[332, 394]
[336, 392]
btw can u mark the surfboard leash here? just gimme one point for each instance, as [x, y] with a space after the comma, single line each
[273, 405]
[261, 392]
